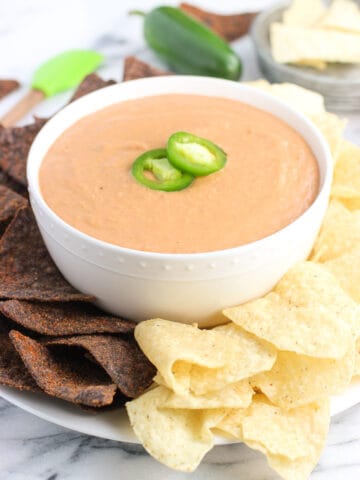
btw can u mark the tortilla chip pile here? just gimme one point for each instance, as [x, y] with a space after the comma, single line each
[58, 342]
[312, 34]
[52, 339]
[266, 377]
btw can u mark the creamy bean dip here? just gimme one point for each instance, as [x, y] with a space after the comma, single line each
[271, 176]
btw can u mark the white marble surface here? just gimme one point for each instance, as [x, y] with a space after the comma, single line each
[30, 448]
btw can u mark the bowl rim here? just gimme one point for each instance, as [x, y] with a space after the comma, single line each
[35, 191]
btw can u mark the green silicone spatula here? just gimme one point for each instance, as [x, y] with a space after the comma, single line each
[60, 73]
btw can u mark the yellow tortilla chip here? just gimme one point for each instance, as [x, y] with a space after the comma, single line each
[346, 183]
[306, 101]
[203, 379]
[342, 15]
[311, 104]
[332, 127]
[346, 269]
[291, 43]
[299, 469]
[235, 395]
[357, 358]
[176, 438]
[339, 234]
[297, 380]
[292, 433]
[260, 83]
[318, 64]
[307, 313]
[350, 203]
[201, 361]
[346, 196]
[231, 424]
[292, 440]
[304, 12]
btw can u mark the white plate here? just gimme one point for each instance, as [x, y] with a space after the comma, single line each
[114, 425]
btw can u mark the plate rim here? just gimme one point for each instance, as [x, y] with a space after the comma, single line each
[339, 404]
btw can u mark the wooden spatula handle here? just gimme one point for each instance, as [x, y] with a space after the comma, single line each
[24, 106]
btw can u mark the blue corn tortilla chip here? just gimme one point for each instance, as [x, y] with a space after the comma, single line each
[26, 270]
[135, 68]
[10, 202]
[121, 358]
[13, 372]
[15, 143]
[63, 374]
[58, 319]
[90, 83]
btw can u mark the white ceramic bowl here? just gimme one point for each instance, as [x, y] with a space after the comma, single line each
[183, 287]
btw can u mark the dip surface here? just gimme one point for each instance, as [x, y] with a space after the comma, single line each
[271, 176]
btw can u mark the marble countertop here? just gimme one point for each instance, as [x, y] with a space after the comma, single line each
[30, 448]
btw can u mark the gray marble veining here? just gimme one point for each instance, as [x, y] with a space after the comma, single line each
[32, 449]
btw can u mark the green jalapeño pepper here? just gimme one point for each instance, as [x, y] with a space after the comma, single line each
[153, 170]
[188, 46]
[195, 155]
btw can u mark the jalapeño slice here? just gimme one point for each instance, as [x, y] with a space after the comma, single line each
[195, 155]
[153, 170]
